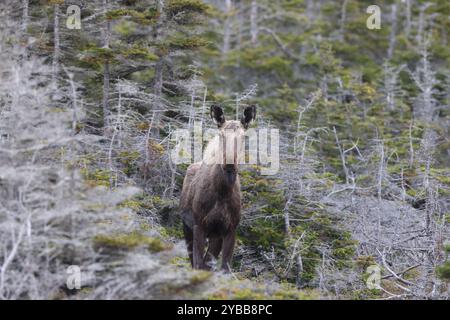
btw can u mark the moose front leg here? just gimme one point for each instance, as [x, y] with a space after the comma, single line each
[227, 251]
[199, 248]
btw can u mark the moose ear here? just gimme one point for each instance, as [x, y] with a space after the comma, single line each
[217, 115]
[249, 115]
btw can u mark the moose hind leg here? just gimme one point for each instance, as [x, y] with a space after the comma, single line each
[199, 248]
[189, 238]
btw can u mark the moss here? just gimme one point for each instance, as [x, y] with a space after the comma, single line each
[442, 175]
[130, 241]
[180, 262]
[363, 294]
[237, 293]
[247, 294]
[200, 277]
[143, 126]
[97, 177]
[156, 147]
[172, 232]
[363, 262]
[252, 290]
[132, 204]
[290, 293]
[447, 217]
[143, 202]
[125, 28]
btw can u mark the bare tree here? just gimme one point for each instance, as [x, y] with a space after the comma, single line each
[227, 29]
[56, 46]
[393, 33]
[391, 86]
[25, 15]
[343, 18]
[425, 80]
[254, 22]
[106, 34]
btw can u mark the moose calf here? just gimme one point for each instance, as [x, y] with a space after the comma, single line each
[211, 197]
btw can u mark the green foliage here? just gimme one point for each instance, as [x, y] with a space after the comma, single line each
[174, 7]
[443, 270]
[315, 224]
[141, 17]
[180, 42]
[128, 159]
[137, 52]
[96, 55]
[264, 233]
[97, 177]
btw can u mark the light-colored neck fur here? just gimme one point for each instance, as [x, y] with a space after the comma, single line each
[213, 152]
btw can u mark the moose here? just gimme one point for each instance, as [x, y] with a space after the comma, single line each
[210, 202]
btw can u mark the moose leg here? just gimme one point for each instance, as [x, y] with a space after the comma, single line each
[227, 250]
[199, 248]
[214, 248]
[189, 238]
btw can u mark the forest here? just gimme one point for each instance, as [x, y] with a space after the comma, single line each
[93, 98]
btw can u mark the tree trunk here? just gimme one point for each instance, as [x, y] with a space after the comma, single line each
[157, 89]
[106, 71]
[158, 37]
[56, 49]
[408, 18]
[343, 18]
[421, 24]
[25, 16]
[159, 67]
[393, 30]
[105, 105]
[254, 22]
[227, 27]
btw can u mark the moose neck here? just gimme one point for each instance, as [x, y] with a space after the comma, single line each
[225, 180]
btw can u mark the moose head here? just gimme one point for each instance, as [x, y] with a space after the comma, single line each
[229, 147]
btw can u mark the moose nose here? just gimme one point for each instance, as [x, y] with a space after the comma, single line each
[230, 168]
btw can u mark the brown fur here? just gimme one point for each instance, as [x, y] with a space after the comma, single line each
[211, 200]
